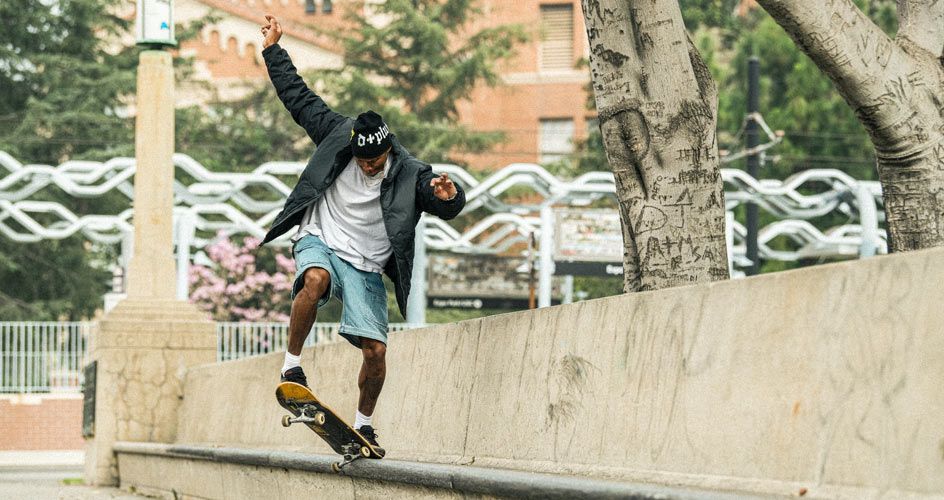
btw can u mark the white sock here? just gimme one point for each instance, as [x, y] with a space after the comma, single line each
[291, 361]
[360, 420]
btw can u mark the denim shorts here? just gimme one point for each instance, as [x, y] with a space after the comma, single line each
[362, 293]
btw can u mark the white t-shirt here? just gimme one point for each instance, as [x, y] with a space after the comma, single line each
[349, 220]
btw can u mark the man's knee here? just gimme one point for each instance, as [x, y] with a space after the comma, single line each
[317, 281]
[374, 351]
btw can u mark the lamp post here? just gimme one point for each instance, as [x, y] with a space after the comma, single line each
[144, 345]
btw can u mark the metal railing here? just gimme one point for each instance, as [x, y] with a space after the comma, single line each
[243, 339]
[41, 357]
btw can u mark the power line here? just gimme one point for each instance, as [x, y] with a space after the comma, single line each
[829, 135]
[830, 159]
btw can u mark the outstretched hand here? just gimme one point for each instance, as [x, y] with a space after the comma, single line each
[443, 187]
[272, 31]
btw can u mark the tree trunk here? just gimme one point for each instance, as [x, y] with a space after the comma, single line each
[896, 88]
[657, 108]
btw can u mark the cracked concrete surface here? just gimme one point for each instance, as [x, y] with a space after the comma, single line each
[143, 352]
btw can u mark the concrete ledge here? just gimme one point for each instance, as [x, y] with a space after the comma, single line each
[455, 478]
[823, 381]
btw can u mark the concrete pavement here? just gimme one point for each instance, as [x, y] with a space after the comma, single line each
[50, 475]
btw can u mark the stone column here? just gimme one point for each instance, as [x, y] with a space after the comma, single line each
[151, 270]
[146, 343]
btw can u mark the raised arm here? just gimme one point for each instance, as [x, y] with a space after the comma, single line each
[306, 107]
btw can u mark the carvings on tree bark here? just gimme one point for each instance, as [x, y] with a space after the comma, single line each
[660, 142]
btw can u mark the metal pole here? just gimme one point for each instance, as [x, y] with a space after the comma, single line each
[127, 250]
[547, 256]
[568, 290]
[868, 219]
[185, 234]
[531, 297]
[729, 239]
[752, 134]
[416, 304]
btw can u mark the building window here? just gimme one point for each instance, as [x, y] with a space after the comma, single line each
[557, 41]
[311, 8]
[557, 140]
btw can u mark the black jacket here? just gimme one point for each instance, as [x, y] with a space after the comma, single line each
[404, 194]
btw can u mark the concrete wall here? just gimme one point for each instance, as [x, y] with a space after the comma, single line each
[827, 378]
[41, 422]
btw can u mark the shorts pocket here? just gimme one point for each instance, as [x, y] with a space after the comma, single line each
[303, 244]
[375, 286]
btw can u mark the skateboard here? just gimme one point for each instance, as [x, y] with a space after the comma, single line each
[306, 409]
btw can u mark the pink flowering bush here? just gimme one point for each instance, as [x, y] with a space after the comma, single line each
[236, 289]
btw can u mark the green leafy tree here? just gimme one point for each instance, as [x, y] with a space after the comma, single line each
[65, 86]
[62, 92]
[239, 135]
[416, 68]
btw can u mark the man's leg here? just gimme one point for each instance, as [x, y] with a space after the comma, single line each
[371, 378]
[304, 311]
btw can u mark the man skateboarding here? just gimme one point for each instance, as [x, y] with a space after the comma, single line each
[356, 206]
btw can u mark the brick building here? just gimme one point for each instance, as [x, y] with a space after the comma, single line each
[541, 106]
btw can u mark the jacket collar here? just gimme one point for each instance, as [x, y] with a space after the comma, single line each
[400, 154]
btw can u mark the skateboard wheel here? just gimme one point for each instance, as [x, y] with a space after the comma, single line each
[319, 418]
[365, 451]
[286, 420]
[336, 467]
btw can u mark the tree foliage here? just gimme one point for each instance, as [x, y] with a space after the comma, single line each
[239, 135]
[66, 84]
[416, 67]
[62, 91]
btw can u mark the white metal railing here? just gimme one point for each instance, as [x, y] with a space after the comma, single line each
[43, 356]
[40, 357]
[225, 201]
[242, 340]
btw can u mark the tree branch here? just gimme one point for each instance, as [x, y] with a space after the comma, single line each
[844, 43]
[922, 23]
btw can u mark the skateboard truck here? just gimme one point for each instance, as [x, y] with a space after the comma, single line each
[308, 416]
[352, 452]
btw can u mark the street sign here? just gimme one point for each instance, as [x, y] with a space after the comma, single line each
[154, 22]
[588, 242]
[614, 269]
[471, 281]
[480, 303]
[592, 235]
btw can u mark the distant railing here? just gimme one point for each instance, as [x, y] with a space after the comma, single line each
[41, 357]
[242, 340]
